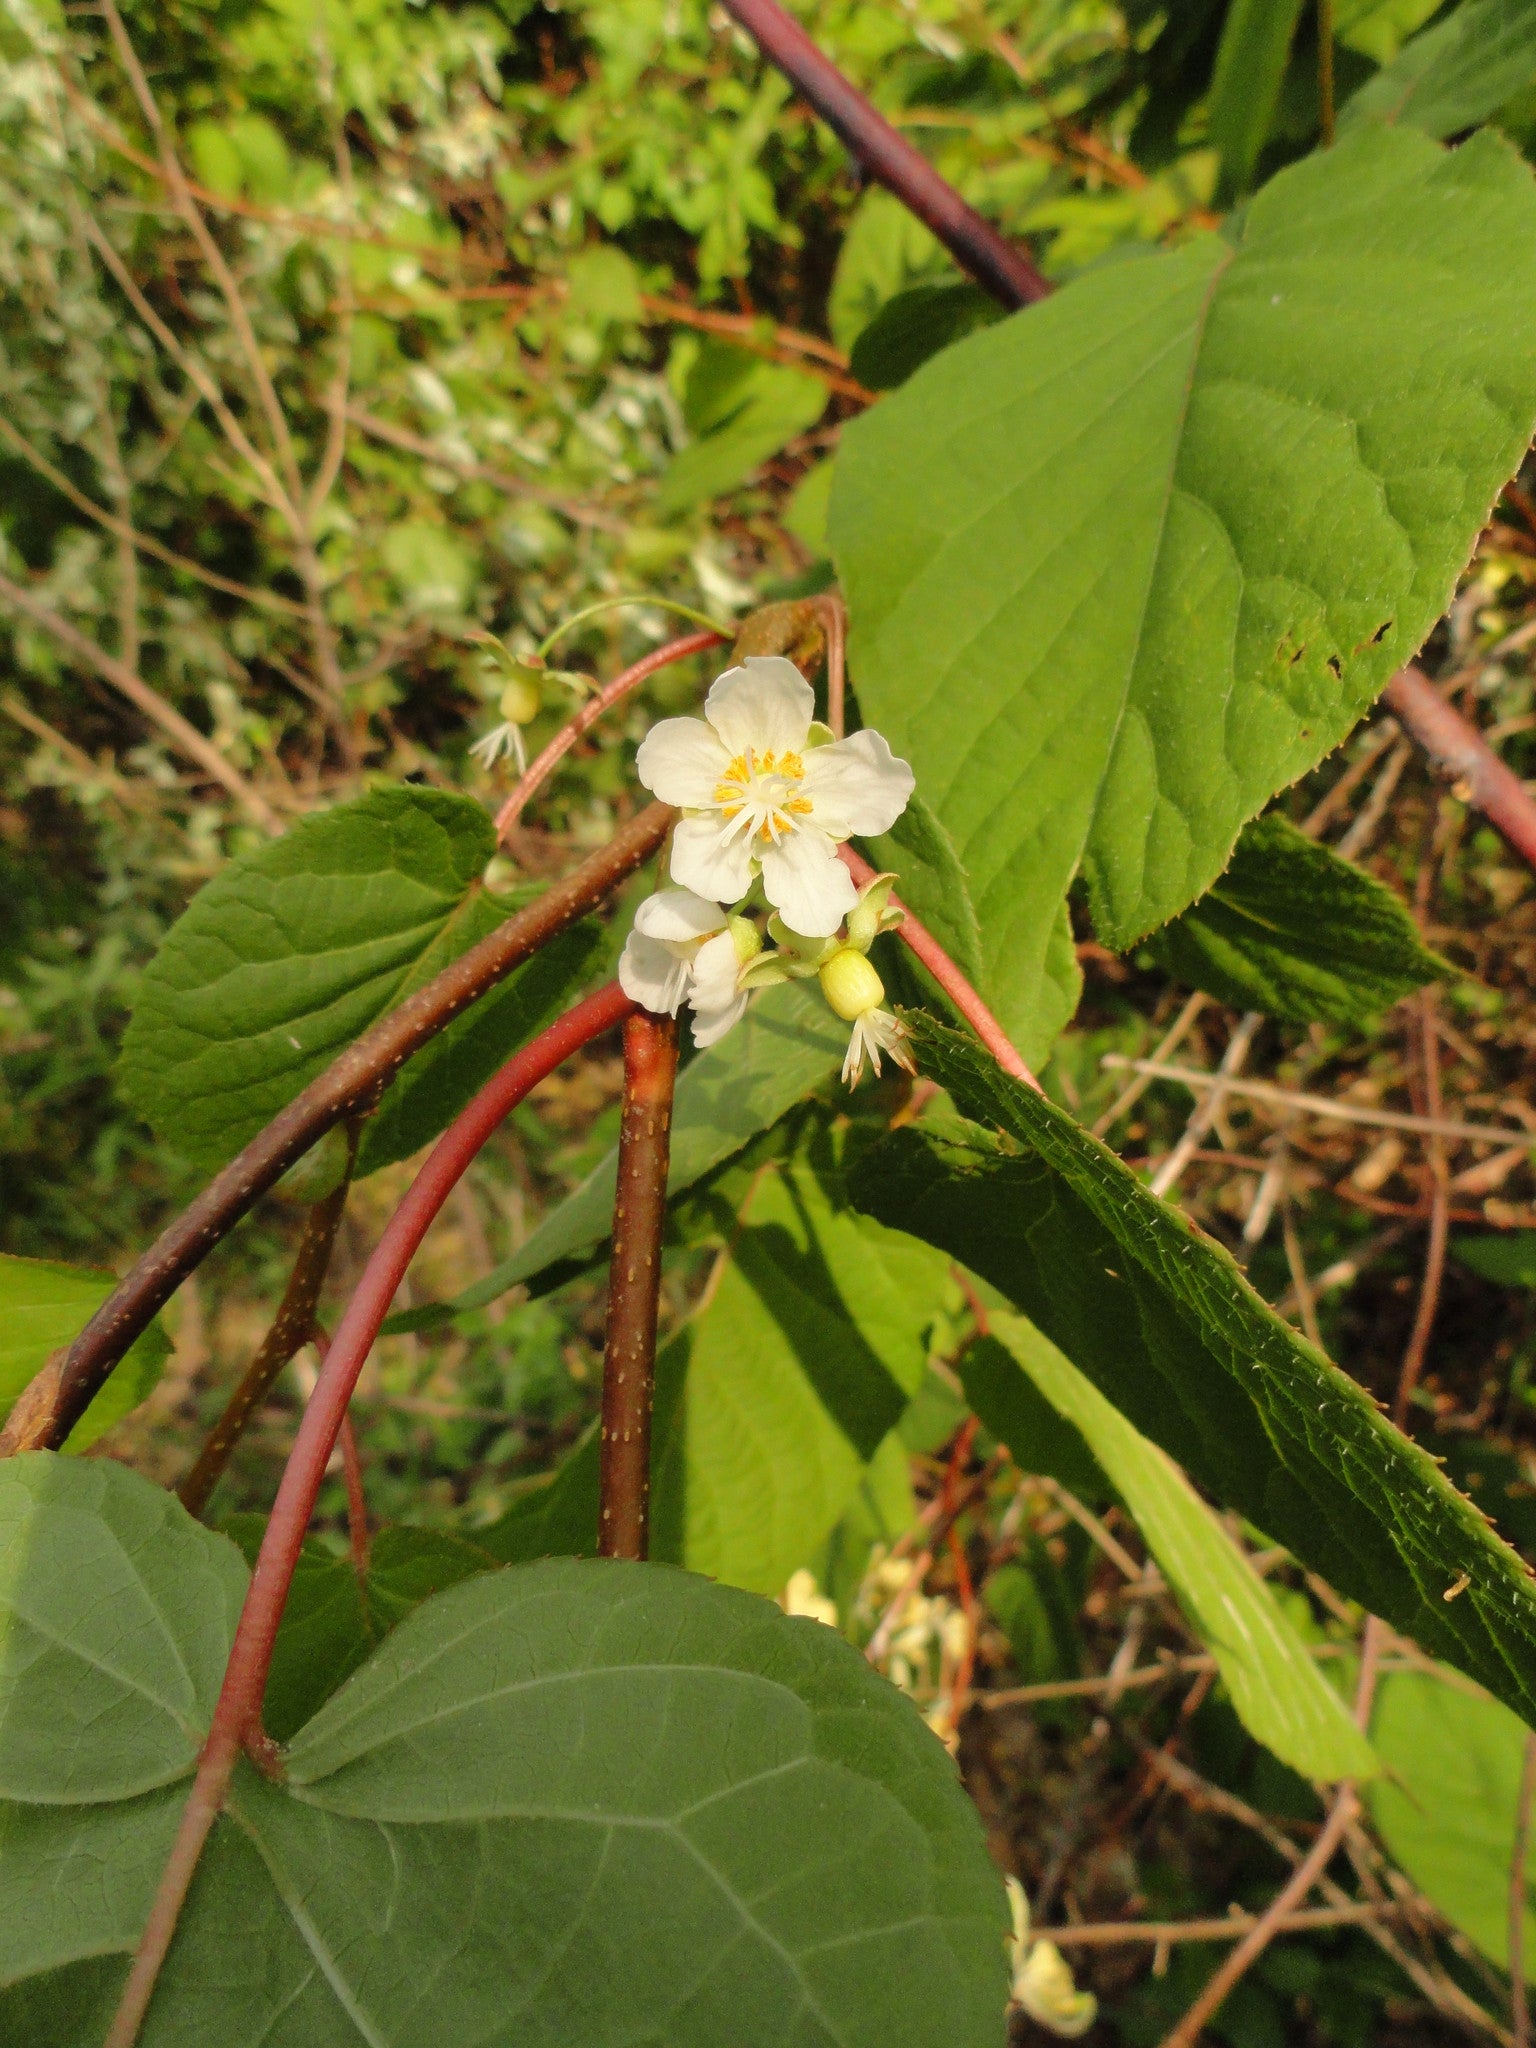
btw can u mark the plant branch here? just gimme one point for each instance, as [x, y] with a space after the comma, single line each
[876, 146]
[629, 1357]
[1228, 1927]
[590, 712]
[480, 472]
[944, 971]
[55, 1401]
[130, 684]
[1270, 1922]
[237, 1716]
[1461, 753]
[292, 1328]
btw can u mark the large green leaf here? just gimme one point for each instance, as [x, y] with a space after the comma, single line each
[1292, 930]
[1455, 74]
[44, 1305]
[1127, 564]
[787, 1044]
[1159, 1317]
[291, 952]
[1447, 1805]
[1275, 1686]
[578, 1801]
[774, 1400]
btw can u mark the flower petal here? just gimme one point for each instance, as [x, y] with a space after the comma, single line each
[806, 882]
[709, 865]
[678, 917]
[681, 760]
[765, 704]
[714, 996]
[857, 785]
[652, 976]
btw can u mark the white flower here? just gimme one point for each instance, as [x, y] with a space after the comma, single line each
[502, 739]
[684, 949]
[760, 790]
[855, 991]
[1042, 1977]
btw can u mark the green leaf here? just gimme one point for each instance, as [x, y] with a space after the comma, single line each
[805, 515]
[1245, 87]
[787, 1044]
[744, 409]
[1455, 74]
[1280, 1696]
[1379, 28]
[915, 325]
[291, 952]
[578, 1800]
[773, 1401]
[434, 1086]
[116, 1611]
[603, 284]
[44, 1306]
[1161, 1320]
[1127, 564]
[1039, 1437]
[1508, 1257]
[1294, 931]
[1447, 1805]
[886, 249]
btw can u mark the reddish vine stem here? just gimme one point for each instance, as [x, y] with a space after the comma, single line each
[51, 1406]
[629, 1358]
[291, 1330]
[590, 712]
[237, 1716]
[973, 242]
[954, 984]
[1459, 750]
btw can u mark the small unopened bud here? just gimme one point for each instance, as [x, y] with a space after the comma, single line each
[869, 915]
[746, 938]
[850, 984]
[521, 699]
[319, 1173]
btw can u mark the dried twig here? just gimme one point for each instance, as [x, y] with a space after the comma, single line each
[1209, 1108]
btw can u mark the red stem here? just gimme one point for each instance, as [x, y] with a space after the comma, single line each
[590, 713]
[974, 243]
[237, 1717]
[634, 1284]
[949, 978]
[1459, 749]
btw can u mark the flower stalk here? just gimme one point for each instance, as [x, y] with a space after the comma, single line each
[639, 1213]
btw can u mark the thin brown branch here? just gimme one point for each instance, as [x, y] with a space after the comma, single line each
[269, 600]
[185, 736]
[291, 1329]
[49, 1409]
[1209, 1106]
[1461, 753]
[1226, 1927]
[1439, 1216]
[481, 472]
[634, 1285]
[324, 481]
[774, 344]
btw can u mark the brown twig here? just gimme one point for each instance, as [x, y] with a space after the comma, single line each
[1439, 1215]
[1227, 1927]
[50, 1407]
[834, 615]
[775, 344]
[292, 1328]
[974, 243]
[1462, 754]
[639, 1213]
[130, 684]
[480, 472]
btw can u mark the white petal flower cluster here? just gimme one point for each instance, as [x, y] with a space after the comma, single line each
[767, 796]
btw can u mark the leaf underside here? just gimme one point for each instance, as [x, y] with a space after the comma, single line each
[1159, 1318]
[1124, 566]
[573, 1801]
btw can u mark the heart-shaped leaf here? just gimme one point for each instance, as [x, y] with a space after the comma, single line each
[569, 1802]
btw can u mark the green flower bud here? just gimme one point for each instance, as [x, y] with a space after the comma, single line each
[869, 915]
[521, 699]
[319, 1173]
[745, 937]
[850, 984]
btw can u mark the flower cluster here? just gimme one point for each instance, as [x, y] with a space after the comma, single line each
[767, 795]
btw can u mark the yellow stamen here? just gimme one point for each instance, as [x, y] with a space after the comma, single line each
[800, 805]
[792, 766]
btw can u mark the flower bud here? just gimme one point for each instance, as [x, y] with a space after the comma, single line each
[745, 937]
[850, 984]
[521, 698]
[320, 1171]
[868, 916]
